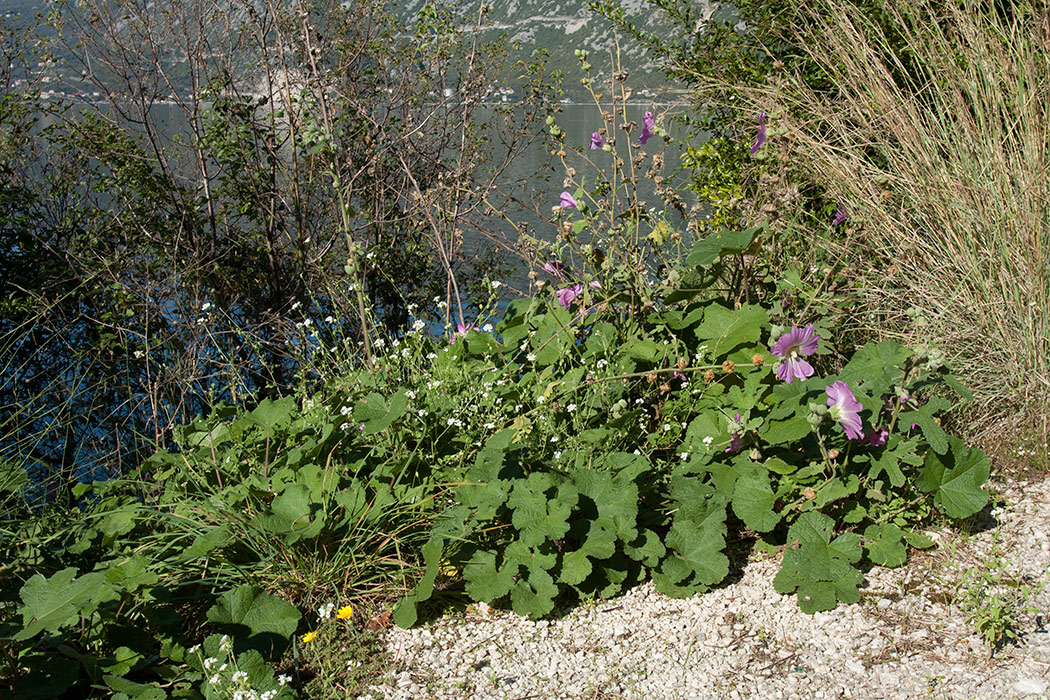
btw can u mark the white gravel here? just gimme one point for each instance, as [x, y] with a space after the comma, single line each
[907, 638]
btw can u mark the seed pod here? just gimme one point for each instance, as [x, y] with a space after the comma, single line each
[728, 366]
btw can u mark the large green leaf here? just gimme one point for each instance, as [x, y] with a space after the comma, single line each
[753, 500]
[486, 582]
[724, 329]
[53, 603]
[819, 569]
[956, 478]
[256, 618]
[376, 414]
[707, 250]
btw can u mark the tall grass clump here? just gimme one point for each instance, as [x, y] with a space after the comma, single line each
[929, 125]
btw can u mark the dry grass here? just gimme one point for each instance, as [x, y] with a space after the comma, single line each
[940, 151]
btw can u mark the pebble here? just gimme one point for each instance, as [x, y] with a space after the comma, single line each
[744, 640]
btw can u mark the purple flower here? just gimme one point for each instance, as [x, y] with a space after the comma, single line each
[844, 408]
[760, 138]
[876, 438]
[567, 201]
[791, 346]
[461, 330]
[567, 295]
[597, 141]
[735, 441]
[840, 216]
[647, 128]
[554, 267]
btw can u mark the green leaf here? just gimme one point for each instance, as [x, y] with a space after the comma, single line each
[885, 544]
[780, 432]
[925, 419]
[819, 569]
[876, 364]
[753, 500]
[486, 582]
[644, 349]
[724, 329]
[263, 621]
[534, 596]
[376, 414]
[51, 604]
[707, 250]
[616, 500]
[697, 545]
[133, 690]
[289, 515]
[956, 479]
[269, 414]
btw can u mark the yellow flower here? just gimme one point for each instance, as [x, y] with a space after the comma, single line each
[345, 612]
[309, 637]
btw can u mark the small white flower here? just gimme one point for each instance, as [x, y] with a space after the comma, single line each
[206, 306]
[431, 356]
[541, 398]
[329, 319]
[283, 679]
[531, 357]
[421, 413]
[667, 426]
[418, 325]
[240, 677]
[638, 452]
[496, 284]
[209, 662]
[380, 343]
[268, 695]
[490, 426]
[296, 305]
[685, 456]
[410, 394]
[554, 438]
[215, 680]
[557, 454]
[487, 328]
[194, 649]
[708, 440]
[326, 610]
[571, 407]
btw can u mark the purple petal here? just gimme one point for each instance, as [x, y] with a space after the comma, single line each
[553, 267]
[841, 398]
[597, 141]
[876, 438]
[803, 342]
[648, 126]
[840, 216]
[567, 295]
[794, 368]
[760, 138]
[567, 201]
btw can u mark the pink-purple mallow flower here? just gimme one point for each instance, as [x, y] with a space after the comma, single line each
[648, 127]
[567, 201]
[736, 443]
[567, 295]
[876, 438]
[840, 216]
[553, 267]
[461, 330]
[843, 407]
[792, 346]
[597, 141]
[760, 138]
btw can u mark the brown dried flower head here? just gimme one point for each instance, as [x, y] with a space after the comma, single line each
[728, 366]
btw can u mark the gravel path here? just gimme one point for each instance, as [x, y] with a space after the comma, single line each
[907, 638]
